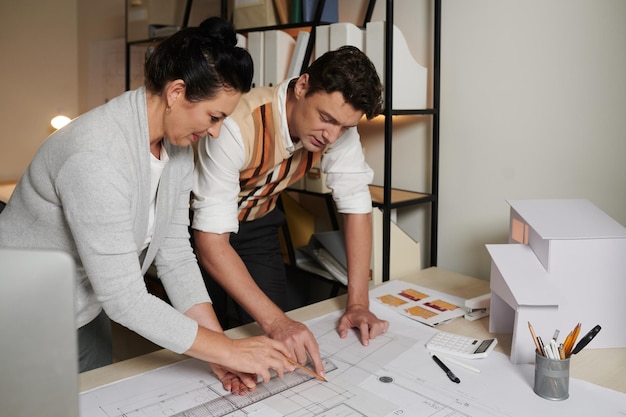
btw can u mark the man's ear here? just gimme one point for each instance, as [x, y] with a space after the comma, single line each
[302, 86]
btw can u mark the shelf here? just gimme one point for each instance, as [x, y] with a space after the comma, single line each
[291, 28]
[399, 198]
[414, 112]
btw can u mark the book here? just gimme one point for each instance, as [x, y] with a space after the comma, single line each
[330, 14]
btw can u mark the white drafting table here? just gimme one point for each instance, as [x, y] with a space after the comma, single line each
[603, 367]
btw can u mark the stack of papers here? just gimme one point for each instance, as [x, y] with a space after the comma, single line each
[325, 255]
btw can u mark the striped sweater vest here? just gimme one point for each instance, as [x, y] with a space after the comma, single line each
[269, 168]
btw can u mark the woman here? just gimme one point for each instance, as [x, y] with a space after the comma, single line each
[112, 189]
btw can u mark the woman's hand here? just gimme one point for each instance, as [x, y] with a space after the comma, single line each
[258, 355]
[238, 383]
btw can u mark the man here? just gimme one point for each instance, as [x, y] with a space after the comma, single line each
[271, 140]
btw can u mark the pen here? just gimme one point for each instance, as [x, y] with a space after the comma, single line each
[554, 350]
[586, 339]
[448, 372]
[542, 347]
[561, 351]
[307, 370]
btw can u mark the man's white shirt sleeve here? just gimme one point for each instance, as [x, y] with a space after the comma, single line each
[348, 175]
[216, 181]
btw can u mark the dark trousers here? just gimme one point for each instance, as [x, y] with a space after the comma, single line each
[95, 343]
[258, 245]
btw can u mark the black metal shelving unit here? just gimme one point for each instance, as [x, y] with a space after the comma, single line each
[431, 197]
[391, 198]
[148, 41]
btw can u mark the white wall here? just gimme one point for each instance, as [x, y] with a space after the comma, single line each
[38, 50]
[533, 100]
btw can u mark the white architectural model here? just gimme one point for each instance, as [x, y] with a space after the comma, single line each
[565, 263]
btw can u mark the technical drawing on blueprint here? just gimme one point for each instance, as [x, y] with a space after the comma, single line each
[362, 382]
[393, 376]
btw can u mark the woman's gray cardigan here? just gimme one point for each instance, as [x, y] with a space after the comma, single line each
[86, 192]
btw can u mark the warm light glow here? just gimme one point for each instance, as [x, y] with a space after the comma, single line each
[58, 122]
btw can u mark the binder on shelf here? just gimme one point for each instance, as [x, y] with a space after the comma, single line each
[405, 252]
[346, 34]
[257, 13]
[299, 51]
[278, 48]
[256, 49]
[330, 14]
[410, 79]
[322, 40]
[282, 10]
[295, 13]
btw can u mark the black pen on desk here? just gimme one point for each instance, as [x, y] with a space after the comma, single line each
[447, 370]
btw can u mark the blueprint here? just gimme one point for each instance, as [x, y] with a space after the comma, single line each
[393, 376]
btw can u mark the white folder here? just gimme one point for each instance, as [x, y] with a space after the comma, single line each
[409, 77]
[297, 58]
[255, 47]
[322, 40]
[279, 48]
[346, 34]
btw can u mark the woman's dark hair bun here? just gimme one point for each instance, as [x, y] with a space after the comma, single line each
[219, 31]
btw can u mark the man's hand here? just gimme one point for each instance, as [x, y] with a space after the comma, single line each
[298, 339]
[360, 317]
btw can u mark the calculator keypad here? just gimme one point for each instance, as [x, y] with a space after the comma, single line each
[466, 347]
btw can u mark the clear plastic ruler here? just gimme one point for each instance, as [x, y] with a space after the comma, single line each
[229, 403]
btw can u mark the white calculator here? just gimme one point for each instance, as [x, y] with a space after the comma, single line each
[462, 346]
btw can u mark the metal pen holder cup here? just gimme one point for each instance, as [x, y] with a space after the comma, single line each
[551, 378]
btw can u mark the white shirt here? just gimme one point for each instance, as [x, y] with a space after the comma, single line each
[156, 170]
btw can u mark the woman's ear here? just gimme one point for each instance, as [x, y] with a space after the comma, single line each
[174, 91]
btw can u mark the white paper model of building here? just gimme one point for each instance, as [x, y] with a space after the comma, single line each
[565, 263]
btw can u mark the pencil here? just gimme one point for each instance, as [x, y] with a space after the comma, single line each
[307, 370]
[567, 341]
[572, 341]
[532, 333]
